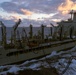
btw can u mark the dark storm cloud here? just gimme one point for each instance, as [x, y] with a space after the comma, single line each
[10, 7]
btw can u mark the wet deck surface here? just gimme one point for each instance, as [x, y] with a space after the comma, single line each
[44, 71]
[53, 64]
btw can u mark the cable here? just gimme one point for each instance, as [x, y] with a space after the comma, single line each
[69, 62]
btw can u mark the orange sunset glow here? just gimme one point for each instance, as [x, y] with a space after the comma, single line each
[65, 7]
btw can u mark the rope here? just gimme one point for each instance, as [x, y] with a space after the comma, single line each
[46, 59]
[69, 62]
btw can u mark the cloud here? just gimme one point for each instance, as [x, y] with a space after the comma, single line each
[43, 6]
[68, 5]
[41, 16]
[9, 6]
[27, 15]
[26, 12]
[56, 20]
[34, 11]
[1, 1]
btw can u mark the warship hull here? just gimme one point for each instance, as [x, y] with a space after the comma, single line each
[11, 56]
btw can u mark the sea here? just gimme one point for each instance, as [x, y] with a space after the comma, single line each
[47, 31]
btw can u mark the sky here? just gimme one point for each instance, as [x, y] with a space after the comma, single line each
[35, 12]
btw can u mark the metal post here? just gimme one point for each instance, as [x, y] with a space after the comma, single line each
[42, 31]
[61, 33]
[51, 30]
[3, 29]
[31, 31]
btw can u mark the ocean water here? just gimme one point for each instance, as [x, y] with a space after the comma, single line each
[35, 31]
